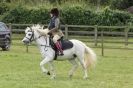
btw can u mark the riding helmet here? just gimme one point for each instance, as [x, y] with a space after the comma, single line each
[55, 12]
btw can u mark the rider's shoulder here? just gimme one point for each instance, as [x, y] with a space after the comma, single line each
[57, 19]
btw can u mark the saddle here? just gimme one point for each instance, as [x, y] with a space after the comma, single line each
[65, 44]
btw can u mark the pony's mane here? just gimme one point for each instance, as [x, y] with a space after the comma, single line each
[37, 26]
[34, 27]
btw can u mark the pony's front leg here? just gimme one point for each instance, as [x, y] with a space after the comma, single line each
[52, 69]
[42, 63]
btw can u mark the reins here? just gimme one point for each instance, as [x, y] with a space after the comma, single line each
[32, 38]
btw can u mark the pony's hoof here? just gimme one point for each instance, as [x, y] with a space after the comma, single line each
[85, 77]
[48, 73]
[70, 76]
[53, 77]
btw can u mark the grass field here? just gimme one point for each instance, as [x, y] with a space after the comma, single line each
[19, 69]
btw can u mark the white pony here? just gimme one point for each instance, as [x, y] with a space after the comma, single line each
[79, 51]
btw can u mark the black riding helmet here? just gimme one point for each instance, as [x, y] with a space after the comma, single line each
[55, 12]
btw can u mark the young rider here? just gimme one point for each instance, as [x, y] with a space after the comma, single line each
[54, 28]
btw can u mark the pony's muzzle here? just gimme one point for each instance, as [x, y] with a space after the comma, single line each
[25, 41]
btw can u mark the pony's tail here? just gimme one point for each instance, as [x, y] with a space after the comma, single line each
[90, 57]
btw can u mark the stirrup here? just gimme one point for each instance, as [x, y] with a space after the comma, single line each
[61, 54]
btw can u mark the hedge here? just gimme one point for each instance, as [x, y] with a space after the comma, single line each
[113, 17]
[121, 4]
[69, 15]
[3, 8]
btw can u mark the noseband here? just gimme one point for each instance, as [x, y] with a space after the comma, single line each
[32, 36]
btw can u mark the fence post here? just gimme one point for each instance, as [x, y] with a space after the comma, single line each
[66, 31]
[102, 42]
[96, 35]
[10, 27]
[27, 49]
[126, 35]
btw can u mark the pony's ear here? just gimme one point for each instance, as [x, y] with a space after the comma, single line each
[27, 29]
[42, 26]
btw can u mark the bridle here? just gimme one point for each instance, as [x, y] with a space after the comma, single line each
[32, 38]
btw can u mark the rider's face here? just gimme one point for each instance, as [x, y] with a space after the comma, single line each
[51, 15]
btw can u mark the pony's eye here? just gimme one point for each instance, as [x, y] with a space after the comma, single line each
[29, 34]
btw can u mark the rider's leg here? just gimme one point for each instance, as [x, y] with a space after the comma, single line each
[57, 43]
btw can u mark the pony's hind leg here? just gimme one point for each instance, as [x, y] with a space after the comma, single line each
[82, 62]
[75, 66]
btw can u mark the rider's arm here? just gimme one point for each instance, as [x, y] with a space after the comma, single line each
[56, 28]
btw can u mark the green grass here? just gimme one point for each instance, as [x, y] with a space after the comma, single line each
[19, 69]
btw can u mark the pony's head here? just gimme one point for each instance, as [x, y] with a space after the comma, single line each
[29, 33]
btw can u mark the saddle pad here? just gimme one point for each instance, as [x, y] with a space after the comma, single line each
[66, 44]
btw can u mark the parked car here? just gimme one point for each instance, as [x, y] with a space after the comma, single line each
[5, 37]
